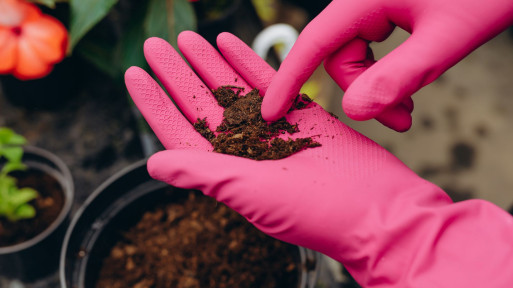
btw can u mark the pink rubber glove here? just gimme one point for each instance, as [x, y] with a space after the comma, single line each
[442, 33]
[349, 199]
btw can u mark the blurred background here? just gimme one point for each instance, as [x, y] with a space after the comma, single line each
[462, 124]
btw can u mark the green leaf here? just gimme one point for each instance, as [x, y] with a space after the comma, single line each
[6, 183]
[13, 154]
[13, 201]
[85, 14]
[13, 166]
[9, 137]
[156, 24]
[5, 135]
[22, 196]
[184, 16]
[23, 212]
[17, 139]
[4, 208]
[101, 55]
[132, 41]
[151, 21]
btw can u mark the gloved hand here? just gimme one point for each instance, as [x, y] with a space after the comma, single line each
[349, 199]
[442, 33]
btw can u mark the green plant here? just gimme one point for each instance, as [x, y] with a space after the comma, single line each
[13, 200]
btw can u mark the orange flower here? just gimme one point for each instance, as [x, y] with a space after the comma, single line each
[30, 42]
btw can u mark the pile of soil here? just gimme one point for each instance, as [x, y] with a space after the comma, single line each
[198, 243]
[48, 205]
[243, 132]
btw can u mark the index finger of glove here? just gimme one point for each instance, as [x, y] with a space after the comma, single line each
[335, 26]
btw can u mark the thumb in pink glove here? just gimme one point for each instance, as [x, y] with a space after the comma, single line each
[349, 199]
[442, 33]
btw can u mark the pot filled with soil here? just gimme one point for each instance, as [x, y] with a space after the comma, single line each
[134, 231]
[35, 204]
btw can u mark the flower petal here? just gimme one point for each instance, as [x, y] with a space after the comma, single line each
[8, 50]
[30, 65]
[32, 12]
[47, 37]
[14, 12]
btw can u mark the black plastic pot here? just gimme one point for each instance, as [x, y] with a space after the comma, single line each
[38, 257]
[116, 205]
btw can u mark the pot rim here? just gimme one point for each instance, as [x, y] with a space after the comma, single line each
[66, 182]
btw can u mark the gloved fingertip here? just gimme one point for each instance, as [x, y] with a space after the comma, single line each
[225, 36]
[132, 76]
[155, 165]
[271, 112]
[356, 115]
[153, 39]
[408, 103]
[364, 101]
[187, 33]
[278, 98]
[152, 42]
[130, 72]
[186, 37]
[401, 127]
[397, 118]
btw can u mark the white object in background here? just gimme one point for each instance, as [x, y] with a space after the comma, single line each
[275, 34]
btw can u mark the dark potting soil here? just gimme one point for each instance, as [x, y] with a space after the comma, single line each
[48, 205]
[198, 243]
[243, 132]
